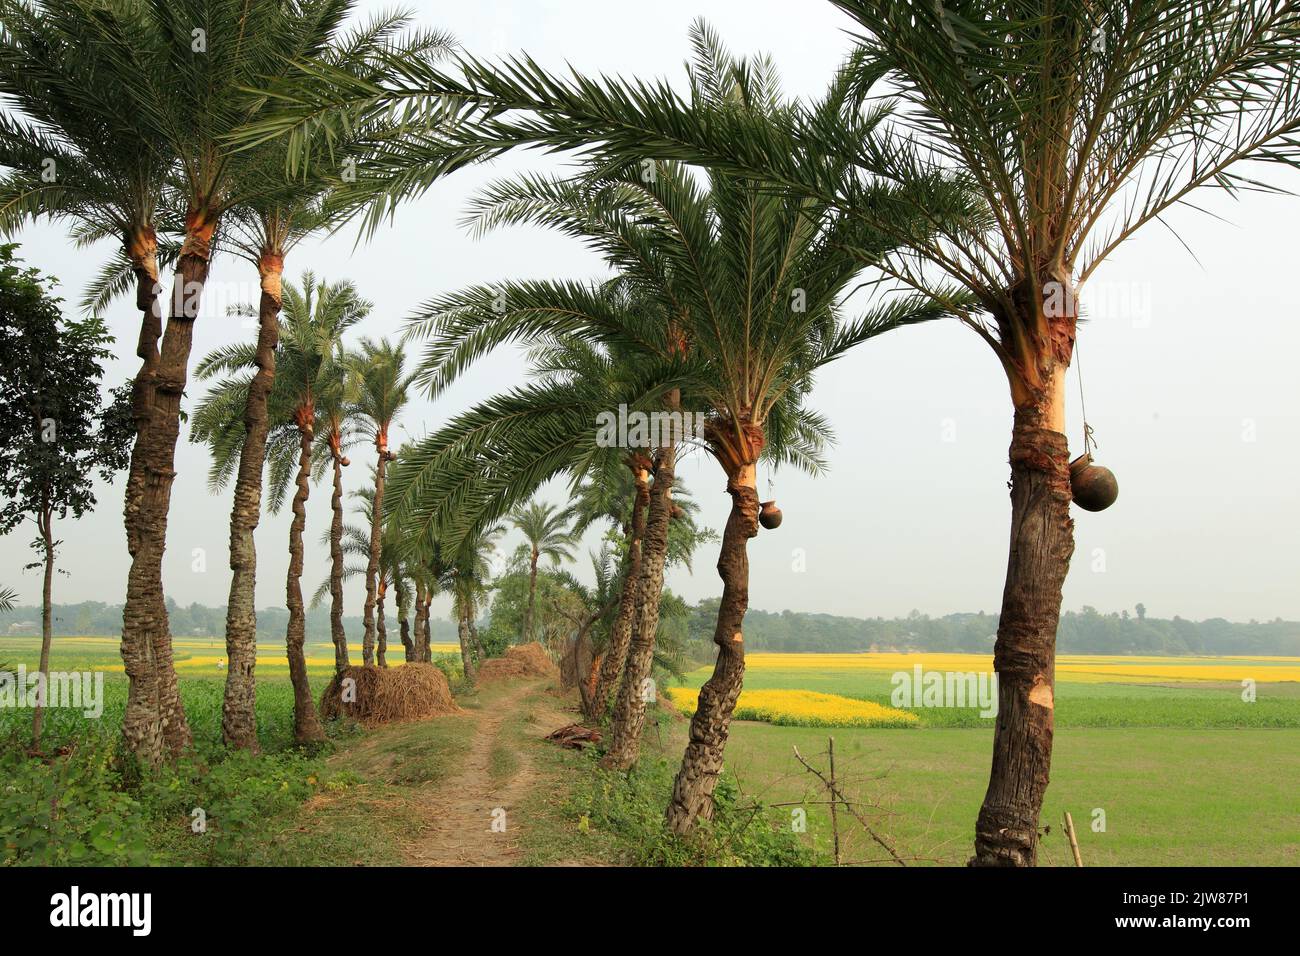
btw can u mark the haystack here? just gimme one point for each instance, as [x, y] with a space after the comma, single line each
[383, 695]
[522, 660]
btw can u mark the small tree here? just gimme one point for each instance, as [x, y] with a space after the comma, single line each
[54, 432]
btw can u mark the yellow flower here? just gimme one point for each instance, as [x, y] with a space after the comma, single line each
[803, 708]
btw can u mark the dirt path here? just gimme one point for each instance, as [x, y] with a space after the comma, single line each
[471, 818]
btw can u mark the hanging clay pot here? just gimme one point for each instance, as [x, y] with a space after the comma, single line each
[678, 512]
[769, 515]
[1094, 487]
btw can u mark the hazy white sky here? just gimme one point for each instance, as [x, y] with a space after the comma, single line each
[1190, 378]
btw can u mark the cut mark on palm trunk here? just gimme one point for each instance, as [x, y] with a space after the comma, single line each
[1041, 694]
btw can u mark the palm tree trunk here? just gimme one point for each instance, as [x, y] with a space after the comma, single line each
[376, 546]
[421, 623]
[428, 632]
[480, 652]
[629, 711]
[620, 635]
[142, 724]
[306, 726]
[532, 597]
[1024, 657]
[587, 685]
[146, 635]
[692, 797]
[238, 717]
[462, 632]
[404, 629]
[337, 633]
[47, 625]
[381, 647]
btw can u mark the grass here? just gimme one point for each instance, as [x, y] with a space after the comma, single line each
[1171, 797]
[281, 807]
[1184, 771]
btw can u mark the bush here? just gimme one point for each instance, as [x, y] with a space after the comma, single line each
[219, 813]
[69, 810]
[630, 808]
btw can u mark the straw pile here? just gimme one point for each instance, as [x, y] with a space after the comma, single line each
[522, 660]
[383, 695]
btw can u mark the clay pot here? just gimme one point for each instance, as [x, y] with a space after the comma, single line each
[769, 515]
[678, 512]
[1094, 487]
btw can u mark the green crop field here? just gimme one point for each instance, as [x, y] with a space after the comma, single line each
[1155, 767]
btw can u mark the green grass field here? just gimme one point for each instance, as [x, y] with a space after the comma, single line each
[202, 682]
[1185, 771]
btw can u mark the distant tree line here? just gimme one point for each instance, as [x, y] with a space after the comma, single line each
[1082, 632]
[95, 618]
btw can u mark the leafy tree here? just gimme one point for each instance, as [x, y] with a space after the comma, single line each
[55, 434]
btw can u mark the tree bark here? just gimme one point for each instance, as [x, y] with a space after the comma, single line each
[376, 550]
[155, 718]
[238, 714]
[1024, 656]
[142, 723]
[337, 634]
[47, 625]
[629, 710]
[480, 652]
[462, 632]
[404, 627]
[421, 623]
[620, 634]
[428, 631]
[587, 685]
[306, 725]
[381, 646]
[532, 595]
[692, 798]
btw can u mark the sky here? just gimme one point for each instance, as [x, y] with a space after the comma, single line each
[1188, 363]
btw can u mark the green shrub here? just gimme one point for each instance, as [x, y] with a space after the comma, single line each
[630, 808]
[217, 811]
[69, 810]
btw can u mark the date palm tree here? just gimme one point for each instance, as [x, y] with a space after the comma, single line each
[1077, 123]
[545, 530]
[381, 391]
[127, 97]
[394, 571]
[337, 416]
[77, 153]
[618, 495]
[191, 64]
[314, 318]
[281, 213]
[735, 297]
[466, 577]
[1074, 123]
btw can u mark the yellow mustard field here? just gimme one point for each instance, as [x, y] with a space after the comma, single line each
[207, 655]
[1078, 668]
[803, 708]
